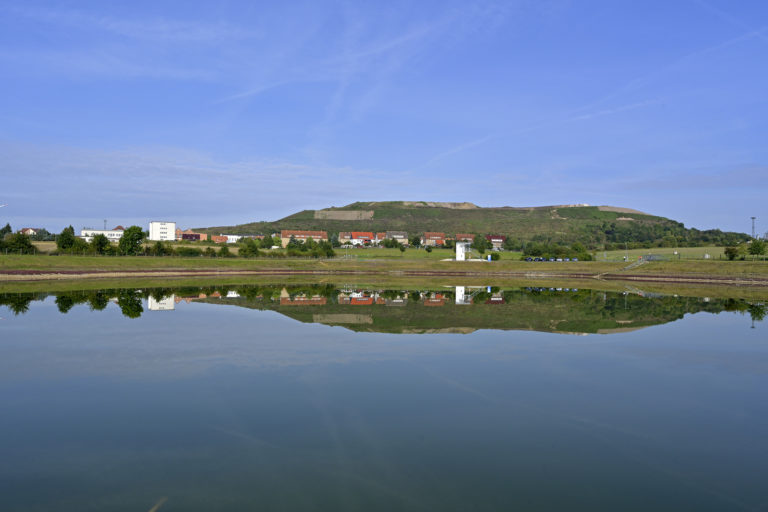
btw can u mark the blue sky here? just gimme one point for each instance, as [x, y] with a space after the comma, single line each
[211, 113]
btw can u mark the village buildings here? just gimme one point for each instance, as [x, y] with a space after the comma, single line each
[191, 235]
[432, 238]
[113, 235]
[397, 236]
[357, 238]
[161, 231]
[497, 241]
[302, 236]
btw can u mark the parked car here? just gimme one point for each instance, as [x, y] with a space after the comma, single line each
[528, 259]
[575, 259]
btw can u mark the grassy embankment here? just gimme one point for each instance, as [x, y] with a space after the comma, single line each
[391, 281]
[84, 264]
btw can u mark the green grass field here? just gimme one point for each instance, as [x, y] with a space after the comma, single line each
[422, 261]
[683, 253]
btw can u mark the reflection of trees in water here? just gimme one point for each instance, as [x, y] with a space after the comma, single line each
[130, 303]
[64, 303]
[607, 305]
[98, 301]
[756, 310]
[17, 303]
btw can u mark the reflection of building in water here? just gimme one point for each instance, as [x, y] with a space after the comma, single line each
[315, 300]
[232, 295]
[461, 296]
[436, 300]
[166, 304]
[496, 298]
[188, 299]
[301, 300]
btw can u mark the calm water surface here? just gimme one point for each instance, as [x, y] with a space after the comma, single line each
[257, 401]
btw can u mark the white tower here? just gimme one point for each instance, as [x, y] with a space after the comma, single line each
[461, 251]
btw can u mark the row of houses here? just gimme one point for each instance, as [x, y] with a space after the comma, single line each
[369, 238]
[168, 232]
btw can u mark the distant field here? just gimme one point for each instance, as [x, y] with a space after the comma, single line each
[412, 254]
[45, 246]
[684, 253]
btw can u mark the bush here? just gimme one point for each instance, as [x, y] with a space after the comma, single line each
[188, 252]
[18, 244]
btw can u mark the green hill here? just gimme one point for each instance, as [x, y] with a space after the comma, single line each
[592, 225]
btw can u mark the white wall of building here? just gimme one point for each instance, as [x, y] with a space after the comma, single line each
[167, 304]
[87, 234]
[162, 231]
[461, 251]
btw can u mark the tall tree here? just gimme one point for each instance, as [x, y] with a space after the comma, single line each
[100, 244]
[130, 243]
[757, 248]
[479, 243]
[66, 239]
[5, 230]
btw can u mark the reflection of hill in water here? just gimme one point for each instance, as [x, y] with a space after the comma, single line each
[446, 310]
[576, 312]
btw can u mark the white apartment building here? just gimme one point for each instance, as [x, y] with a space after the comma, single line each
[167, 304]
[162, 231]
[113, 235]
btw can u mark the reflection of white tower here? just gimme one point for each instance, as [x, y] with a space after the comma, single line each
[461, 297]
[167, 304]
[461, 251]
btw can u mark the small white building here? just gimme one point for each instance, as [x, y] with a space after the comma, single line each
[113, 235]
[160, 231]
[232, 239]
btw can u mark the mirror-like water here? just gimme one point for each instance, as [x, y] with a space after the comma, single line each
[332, 398]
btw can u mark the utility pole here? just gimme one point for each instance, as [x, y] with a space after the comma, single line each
[753, 227]
[105, 224]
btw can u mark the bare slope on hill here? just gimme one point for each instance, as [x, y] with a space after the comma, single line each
[558, 222]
